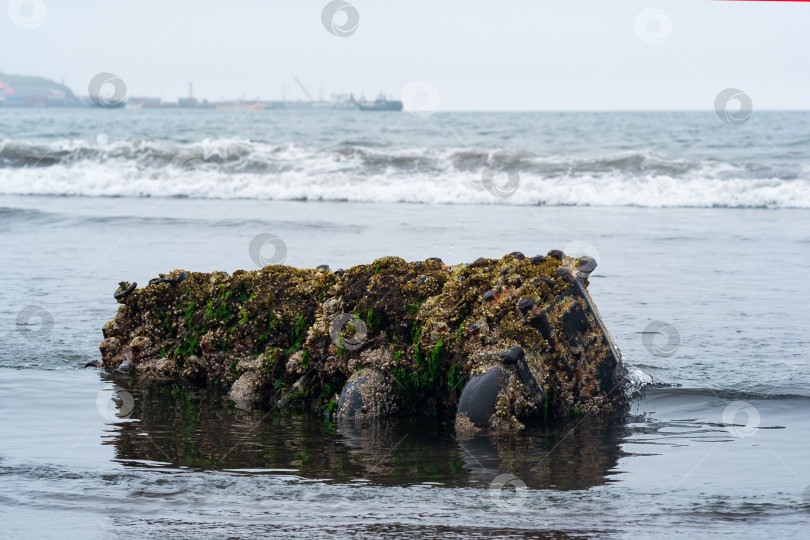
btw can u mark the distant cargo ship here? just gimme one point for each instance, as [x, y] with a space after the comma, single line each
[379, 104]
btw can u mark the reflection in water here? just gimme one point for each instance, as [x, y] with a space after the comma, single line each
[576, 456]
[179, 425]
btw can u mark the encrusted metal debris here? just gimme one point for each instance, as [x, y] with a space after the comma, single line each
[518, 336]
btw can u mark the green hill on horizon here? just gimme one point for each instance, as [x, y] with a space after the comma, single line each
[25, 89]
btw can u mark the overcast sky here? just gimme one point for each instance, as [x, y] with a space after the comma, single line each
[478, 55]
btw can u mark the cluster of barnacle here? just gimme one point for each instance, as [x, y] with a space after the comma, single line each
[269, 335]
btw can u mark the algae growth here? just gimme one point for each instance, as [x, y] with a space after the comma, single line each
[401, 338]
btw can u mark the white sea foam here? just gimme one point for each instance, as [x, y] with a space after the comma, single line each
[236, 168]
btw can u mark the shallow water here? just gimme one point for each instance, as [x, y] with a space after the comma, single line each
[183, 464]
[701, 249]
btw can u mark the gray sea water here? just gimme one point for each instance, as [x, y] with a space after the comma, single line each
[703, 291]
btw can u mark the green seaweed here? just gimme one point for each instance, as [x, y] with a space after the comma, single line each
[455, 379]
[297, 333]
[189, 312]
[416, 333]
[272, 322]
[373, 322]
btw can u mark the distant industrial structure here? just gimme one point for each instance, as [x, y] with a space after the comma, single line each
[32, 91]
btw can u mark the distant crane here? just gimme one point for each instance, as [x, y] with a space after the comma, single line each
[299, 83]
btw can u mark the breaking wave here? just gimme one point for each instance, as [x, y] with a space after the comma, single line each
[238, 168]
